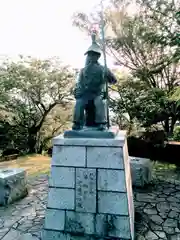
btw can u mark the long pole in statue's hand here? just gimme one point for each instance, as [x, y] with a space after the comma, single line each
[105, 62]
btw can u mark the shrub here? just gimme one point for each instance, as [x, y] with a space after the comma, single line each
[176, 133]
[157, 137]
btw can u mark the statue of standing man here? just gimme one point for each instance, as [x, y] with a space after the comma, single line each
[90, 93]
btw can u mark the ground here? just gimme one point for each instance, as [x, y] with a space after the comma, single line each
[33, 164]
[157, 206]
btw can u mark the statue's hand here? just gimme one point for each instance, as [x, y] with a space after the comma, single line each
[111, 77]
[104, 95]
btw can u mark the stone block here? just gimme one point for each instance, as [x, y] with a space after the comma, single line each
[111, 180]
[113, 203]
[70, 237]
[101, 157]
[62, 177]
[13, 185]
[101, 225]
[119, 227]
[79, 223]
[113, 226]
[60, 198]
[54, 235]
[69, 156]
[83, 238]
[55, 219]
[141, 171]
[86, 190]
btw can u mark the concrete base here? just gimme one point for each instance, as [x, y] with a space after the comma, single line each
[12, 185]
[90, 190]
[141, 171]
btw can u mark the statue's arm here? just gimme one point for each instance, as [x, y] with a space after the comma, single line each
[111, 77]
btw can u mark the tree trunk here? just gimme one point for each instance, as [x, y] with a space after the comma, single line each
[173, 122]
[166, 126]
[32, 139]
[40, 148]
[32, 144]
[131, 124]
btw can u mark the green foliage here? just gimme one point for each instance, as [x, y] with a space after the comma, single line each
[146, 43]
[31, 89]
[176, 133]
[176, 95]
[147, 106]
[165, 14]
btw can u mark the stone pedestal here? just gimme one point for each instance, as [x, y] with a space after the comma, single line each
[90, 190]
[13, 185]
[141, 171]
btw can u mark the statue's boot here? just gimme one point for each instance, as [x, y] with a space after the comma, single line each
[101, 127]
[76, 126]
[78, 116]
[90, 114]
[100, 113]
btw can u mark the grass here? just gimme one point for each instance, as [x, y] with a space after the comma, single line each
[34, 164]
[166, 170]
[163, 166]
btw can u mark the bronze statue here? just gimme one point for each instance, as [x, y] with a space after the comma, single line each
[90, 95]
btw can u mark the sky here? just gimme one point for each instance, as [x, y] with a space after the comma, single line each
[43, 28]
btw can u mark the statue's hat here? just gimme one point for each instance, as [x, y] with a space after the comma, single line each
[94, 46]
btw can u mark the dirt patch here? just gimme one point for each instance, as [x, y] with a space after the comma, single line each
[34, 164]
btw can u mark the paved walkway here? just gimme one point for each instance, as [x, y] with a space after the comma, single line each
[157, 212]
[25, 218]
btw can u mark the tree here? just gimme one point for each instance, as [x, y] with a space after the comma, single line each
[58, 120]
[143, 43]
[37, 87]
[143, 105]
[166, 15]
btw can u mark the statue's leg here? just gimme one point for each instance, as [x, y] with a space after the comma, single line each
[78, 116]
[90, 114]
[100, 109]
